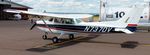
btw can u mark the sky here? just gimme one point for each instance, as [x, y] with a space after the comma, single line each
[73, 6]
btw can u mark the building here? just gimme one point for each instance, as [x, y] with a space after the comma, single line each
[5, 4]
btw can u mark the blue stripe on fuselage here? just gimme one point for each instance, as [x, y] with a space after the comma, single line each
[132, 29]
[80, 28]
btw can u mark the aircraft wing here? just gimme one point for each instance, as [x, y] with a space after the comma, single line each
[48, 14]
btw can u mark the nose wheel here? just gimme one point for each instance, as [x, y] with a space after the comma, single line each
[44, 37]
[71, 36]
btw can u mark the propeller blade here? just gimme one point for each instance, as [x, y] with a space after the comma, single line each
[33, 26]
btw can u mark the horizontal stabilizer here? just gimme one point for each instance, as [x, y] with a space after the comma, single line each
[124, 30]
[144, 24]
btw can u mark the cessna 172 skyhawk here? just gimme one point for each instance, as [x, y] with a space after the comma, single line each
[70, 25]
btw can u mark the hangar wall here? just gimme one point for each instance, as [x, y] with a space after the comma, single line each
[4, 15]
[8, 4]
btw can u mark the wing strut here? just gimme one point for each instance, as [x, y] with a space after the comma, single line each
[46, 24]
[41, 18]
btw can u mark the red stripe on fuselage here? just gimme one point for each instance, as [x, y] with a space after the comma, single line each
[132, 25]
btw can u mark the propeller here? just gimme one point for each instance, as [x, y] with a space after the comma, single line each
[33, 26]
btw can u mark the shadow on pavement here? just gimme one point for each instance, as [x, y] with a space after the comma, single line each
[62, 44]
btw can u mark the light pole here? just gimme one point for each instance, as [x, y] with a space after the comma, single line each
[149, 16]
[100, 13]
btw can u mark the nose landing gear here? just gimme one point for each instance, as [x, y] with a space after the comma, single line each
[44, 37]
[71, 36]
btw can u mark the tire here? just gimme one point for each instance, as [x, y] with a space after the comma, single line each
[55, 40]
[71, 36]
[44, 37]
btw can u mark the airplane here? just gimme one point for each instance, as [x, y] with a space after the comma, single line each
[72, 24]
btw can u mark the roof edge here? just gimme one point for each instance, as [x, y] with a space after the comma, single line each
[20, 4]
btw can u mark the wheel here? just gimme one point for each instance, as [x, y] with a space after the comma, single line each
[44, 37]
[71, 36]
[55, 40]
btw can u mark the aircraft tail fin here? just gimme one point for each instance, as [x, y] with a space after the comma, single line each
[130, 20]
[132, 16]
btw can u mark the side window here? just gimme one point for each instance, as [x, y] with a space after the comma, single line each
[51, 19]
[69, 21]
[57, 20]
[63, 20]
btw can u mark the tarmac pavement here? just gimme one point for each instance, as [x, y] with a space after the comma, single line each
[17, 39]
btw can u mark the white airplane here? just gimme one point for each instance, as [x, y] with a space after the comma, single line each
[70, 25]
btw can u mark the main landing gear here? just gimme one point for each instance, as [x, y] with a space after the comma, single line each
[56, 39]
